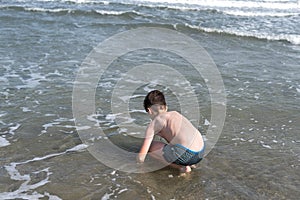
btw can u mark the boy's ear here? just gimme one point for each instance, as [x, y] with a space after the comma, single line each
[163, 107]
[149, 111]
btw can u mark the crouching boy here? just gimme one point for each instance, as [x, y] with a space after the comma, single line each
[185, 145]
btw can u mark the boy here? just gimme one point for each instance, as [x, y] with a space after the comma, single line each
[185, 145]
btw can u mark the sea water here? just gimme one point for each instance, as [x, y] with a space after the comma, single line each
[255, 45]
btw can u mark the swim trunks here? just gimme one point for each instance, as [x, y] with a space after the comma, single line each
[181, 155]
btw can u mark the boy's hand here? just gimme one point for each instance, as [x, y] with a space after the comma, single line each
[140, 158]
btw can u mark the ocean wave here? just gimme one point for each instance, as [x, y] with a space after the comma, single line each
[117, 13]
[65, 1]
[35, 9]
[52, 10]
[291, 38]
[84, 1]
[261, 14]
[269, 4]
[271, 8]
[181, 4]
[74, 11]
[278, 5]
[208, 11]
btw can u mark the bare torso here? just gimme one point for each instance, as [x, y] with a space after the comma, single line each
[179, 130]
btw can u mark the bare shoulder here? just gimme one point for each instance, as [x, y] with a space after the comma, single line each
[159, 122]
[167, 115]
[174, 114]
[161, 117]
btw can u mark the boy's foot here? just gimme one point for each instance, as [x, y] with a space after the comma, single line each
[193, 166]
[185, 169]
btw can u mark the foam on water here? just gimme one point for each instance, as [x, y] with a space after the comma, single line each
[260, 14]
[59, 123]
[32, 82]
[54, 10]
[32, 79]
[71, 10]
[116, 189]
[218, 4]
[127, 98]
[94, 118]
[2, 114]
[293, 38]
[270, 11]
[280, 12]
[13, 127]
[116, 13]
[4, 142]
[27, 190]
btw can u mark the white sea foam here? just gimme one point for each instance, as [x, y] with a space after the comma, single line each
[292, 38]
[4, 142]
[111, 117]
[94, 118]
[31, 82]
[12, 128]
[3, 79]
[58, 123]
[261, 14]
[85, 1]
[49, 115]
[106, 196]
[122, 130]
[2, 114]
[127, 98]
[271, 8]
[68, 10]
[137, 111]
[221, 3]
[54, 10]
[267, 146]
[21, 192]
[56, 73]
[122, 190]
[48, 125]
[26, 189]
[80, 147]
[82, 127]
[111, 12]
[116, 190]
[206, 122]
[25, 109]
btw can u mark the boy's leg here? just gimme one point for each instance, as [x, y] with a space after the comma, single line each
[156, 151]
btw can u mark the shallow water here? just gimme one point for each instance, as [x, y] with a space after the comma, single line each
[42, 46]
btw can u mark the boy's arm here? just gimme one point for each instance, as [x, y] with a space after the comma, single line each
[146, 144]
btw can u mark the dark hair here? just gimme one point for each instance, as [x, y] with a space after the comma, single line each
[154, 97]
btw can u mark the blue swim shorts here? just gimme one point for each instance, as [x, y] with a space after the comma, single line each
[181, 155]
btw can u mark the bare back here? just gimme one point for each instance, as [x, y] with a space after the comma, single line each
[176, 129]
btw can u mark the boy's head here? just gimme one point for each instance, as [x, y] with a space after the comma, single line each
[154, 97]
